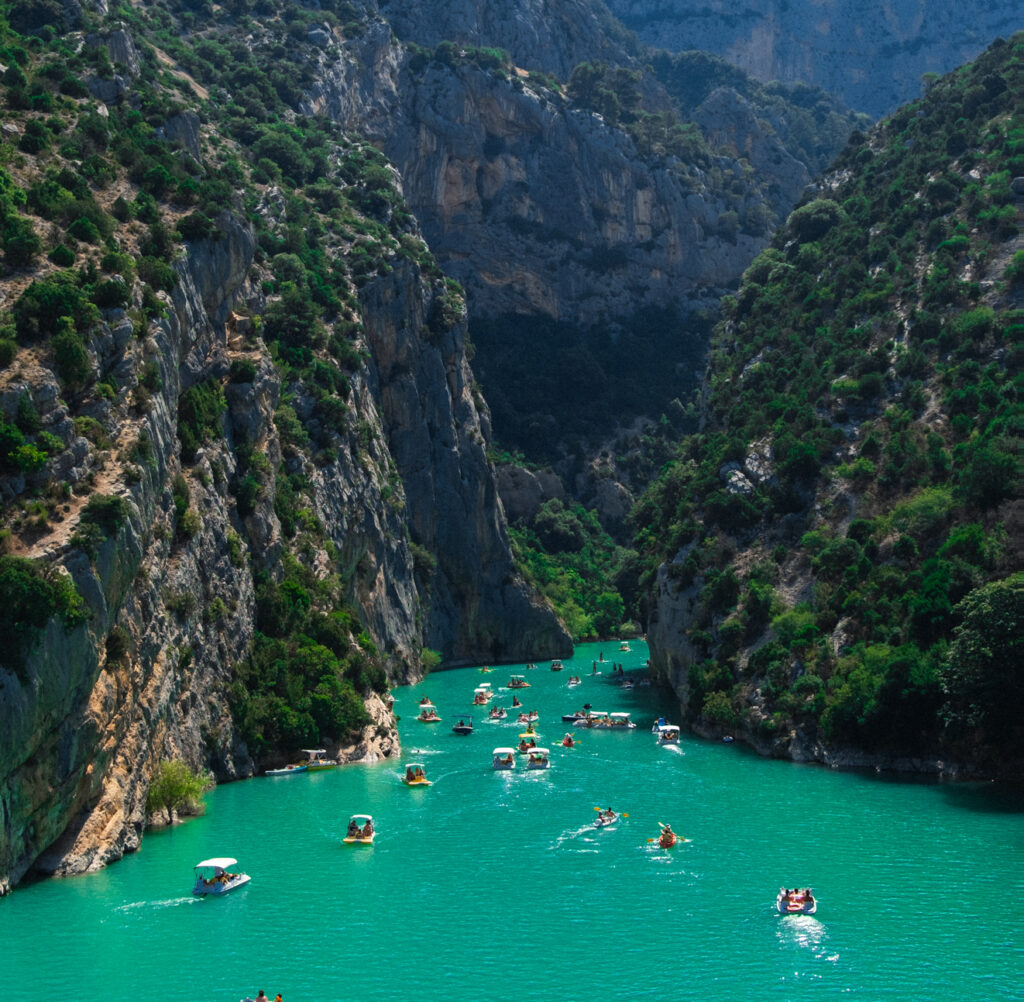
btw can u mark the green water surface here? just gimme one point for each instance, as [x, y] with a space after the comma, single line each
[496, 886]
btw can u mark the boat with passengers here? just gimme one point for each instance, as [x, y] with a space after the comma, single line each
[415, 775]
[795, 901]
[503, 758]
[214, 877]
[428, 714]
[540, 758]
[360, 830]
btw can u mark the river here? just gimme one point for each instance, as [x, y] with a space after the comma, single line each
[496, 886]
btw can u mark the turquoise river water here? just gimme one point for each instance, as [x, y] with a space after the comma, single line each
[496, 886]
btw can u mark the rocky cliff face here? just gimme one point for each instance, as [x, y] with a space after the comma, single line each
[90, 714]
[870, 52]
[537, 208]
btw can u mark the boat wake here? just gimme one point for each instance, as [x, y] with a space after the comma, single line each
[133, 906]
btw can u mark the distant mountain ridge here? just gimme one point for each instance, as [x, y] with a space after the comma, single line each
[871, 53]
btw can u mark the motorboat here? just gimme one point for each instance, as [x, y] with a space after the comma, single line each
[428, 714]
[796, 901]
[605, 818]
[482, 695]
[571, 718]
[503, 758]
[360, 830]
[620, 721]
[518, 682]
[497, 713]
[463, 726]
[556, 665]
[315, 760]
[668, 734]
[415, 775]
[215, 878]
[287, 770]
[540, 758]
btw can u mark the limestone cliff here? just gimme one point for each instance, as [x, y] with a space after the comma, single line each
[398, 517]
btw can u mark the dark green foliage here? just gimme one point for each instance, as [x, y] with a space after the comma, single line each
[568, 558]
[29, 597]
[200, 411]
[40, 307]
[982, 674]
[300, 683]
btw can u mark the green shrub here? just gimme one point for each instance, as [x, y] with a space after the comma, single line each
[200, 410]
[29, 598]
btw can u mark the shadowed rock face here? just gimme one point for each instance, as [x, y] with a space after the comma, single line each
[872, 53]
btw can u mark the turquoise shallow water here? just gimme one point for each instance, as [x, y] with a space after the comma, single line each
[495, 886]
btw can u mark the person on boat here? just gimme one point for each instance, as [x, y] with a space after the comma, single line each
[367, 829]
[515, 701]
[353, 829]
[568, 741]
[609, 813]
[410, 774]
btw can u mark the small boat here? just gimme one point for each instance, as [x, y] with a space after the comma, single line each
[575, 680]
[428, 714]
[518, 682]
[556, 665]
[571, 718]
[482, 695]
[464, 725]
[526, 745]
[503, 758]
[667, 838]
[315, 761]
[624, 646]
[213, 877]
[497, 713]
[360, 830]
[795, 901]
[539, 758]
[605, 818]
[620, 722]
[486, 670]
[568, 741]
[527, 718]
[515, 703]
[668, 735]
[424, 700]
[288, 770]
[415, 775]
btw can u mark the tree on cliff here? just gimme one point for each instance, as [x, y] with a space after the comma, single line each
[984, 672]
[176, 787]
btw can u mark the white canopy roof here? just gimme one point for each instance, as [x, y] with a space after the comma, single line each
[504, 751]
[223, 862]
[539, 751]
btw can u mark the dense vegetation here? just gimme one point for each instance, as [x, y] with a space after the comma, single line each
[862, 448]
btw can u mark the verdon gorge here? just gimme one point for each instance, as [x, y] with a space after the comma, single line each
[517, 500]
